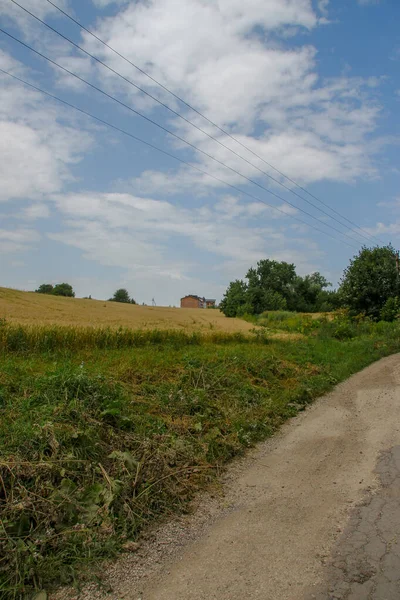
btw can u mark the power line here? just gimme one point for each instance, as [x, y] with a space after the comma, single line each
[221, 129]
[166, 153]
[180, 115]
[51, 61]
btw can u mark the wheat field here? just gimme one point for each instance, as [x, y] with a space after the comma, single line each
[29, 308]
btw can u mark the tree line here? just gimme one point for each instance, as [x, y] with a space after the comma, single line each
[370, 285]
[65, 289]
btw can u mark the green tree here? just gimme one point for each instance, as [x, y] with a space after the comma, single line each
[122, 295]
[390, 310]
[328, 300]
[270, 285]
[234, 299]
[45, 288]
[306, 291]
[370, 280]
[63, 289]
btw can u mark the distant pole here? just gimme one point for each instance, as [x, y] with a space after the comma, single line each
[398, 271]
[153, 302]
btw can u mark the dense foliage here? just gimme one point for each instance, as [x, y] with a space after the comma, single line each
[274, 285]
[60, 289]
[370, 282]
[122, 295]
[370, 286]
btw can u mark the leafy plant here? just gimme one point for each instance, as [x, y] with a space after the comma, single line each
[390, 310]
[61, 289]
[274, 285]
[370, 280]
[122, 295]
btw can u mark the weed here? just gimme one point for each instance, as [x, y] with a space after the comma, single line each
[103, 431]
[50, 338]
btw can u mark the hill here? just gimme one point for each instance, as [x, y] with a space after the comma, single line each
[31, 308]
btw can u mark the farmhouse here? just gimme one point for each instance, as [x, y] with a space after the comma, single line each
[192, 301]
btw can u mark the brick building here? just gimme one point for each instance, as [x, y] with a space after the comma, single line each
[192, 301]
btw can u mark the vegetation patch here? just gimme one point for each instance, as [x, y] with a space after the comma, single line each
[17, 338]
[97, 440]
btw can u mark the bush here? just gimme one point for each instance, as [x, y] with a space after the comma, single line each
[61, 289]
[343, 331]
[390, 310]
[122, 295]
[370, 281]
[64, 289]
[45, 288]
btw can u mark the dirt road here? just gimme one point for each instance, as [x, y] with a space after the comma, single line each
[313, 513]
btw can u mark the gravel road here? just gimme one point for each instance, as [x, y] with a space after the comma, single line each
[312, 513]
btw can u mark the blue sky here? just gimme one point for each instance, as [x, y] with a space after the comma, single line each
[311, 87]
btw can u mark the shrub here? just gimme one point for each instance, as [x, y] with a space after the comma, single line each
[370, 280]
[390, 310]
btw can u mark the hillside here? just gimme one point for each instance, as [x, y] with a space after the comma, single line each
[32, 308]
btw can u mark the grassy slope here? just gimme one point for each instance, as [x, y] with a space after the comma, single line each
[30, 308]
[97, 444]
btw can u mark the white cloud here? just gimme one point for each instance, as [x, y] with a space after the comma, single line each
[105, 3]
[26, 23]
[233, 61]
[323, 7]
[229, 207]
[382, 228]
[36, 150]
[17, 240]
[34, 211]
[267, 94]
[141, 234]
[393, 227]
[206, 51]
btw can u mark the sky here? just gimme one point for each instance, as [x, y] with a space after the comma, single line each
[307, 89]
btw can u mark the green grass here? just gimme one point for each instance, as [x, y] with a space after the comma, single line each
[98, 442]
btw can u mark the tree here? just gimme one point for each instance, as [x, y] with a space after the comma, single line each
[234, 299]
[328, 300]
[390, 310]
[122, 295]
[274, 285]
[270, 285]
[45, 288]
[370, 280]
[307, 291]
[63, 289]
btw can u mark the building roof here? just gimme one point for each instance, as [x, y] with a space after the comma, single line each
[193, 296]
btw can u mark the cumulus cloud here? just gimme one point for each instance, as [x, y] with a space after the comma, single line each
[136, 233]
[323, 6]
[105, 3]
[266, 93]
[234, 61]
[11, 13]
[37, 149]
[34, 212]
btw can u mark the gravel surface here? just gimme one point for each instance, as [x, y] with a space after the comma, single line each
[312, 513]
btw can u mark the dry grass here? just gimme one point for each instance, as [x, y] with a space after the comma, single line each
[28, 308]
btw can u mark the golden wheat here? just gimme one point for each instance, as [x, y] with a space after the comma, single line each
[29, 308]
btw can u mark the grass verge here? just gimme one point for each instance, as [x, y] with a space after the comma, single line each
[97, 442]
